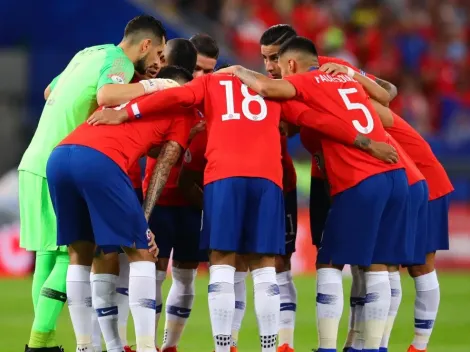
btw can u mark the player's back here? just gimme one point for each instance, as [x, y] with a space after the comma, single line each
[343, 98]
[243, 132]
[72, 100]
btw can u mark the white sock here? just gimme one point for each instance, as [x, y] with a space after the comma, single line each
[79, 302]
[160, 277]
[288, 295]
[104, 303]
[221, 304]
[395, 286]
[142, 303]
[178, 305]
[95, 325]
[122, 300]
[358, 336]
[267, 303]
[426, 307]
[376, 307]
[355, 298]
[240, 304]
[329, 306]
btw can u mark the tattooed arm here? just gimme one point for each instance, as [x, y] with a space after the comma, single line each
[379, 150]
[167, 158]
[389, 87]
[267, 87]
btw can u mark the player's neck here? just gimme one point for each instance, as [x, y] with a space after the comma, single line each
[127, 48]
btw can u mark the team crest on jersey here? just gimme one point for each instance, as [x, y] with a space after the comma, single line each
[187, 156]
[117, 78]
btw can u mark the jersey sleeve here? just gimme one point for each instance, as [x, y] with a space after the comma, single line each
[117, 68]
[194, 158]
[179, 131]
[54, 82]
[187, 96]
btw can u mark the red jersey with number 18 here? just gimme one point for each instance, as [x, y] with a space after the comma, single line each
[344, 98]
[243, 137]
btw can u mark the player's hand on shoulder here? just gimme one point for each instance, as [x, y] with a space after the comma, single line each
[156, 84]
[228, 70]
[333, 69]
[199, 127]
[383, 151]
[108, 117]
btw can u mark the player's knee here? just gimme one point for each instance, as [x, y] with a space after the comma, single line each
[420, 270]
[106, 263]
[81, 253]
[328, 266]
[139, 255]
[283, 263]
[185, 265]
[258, 261]
[241, 264]
[222, 258]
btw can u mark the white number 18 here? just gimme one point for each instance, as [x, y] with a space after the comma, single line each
[357, 106]
[247, 99]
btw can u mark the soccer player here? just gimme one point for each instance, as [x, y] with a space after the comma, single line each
[182, 53]
[270, 42]
[440, 187]
[95, 76]
[207, 53]
[91, 209]
[386, 205]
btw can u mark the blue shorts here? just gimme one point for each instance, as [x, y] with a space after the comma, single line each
[319, 208]
[178, 228]
[438, 224]
[94, 200]
[359, 224]
[244, 215]
[290, 206]
[418, 221]
[139, 194]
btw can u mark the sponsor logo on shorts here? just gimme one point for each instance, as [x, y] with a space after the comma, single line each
[148, 233]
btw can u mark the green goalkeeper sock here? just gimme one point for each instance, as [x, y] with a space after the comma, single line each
[50, 305]
[45, 261]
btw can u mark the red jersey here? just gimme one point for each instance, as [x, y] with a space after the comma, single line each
[135, 174]
[127, 142]
[325, 59]
[412, 172]
[171, 193]
[290, 176]
[343, 98]
[420, 152]
[194, 158]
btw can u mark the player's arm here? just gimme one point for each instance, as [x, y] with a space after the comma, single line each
[261, 84]
[373, 89]
[389, 87]
[188, 95]
[384, 113]
[169, 155]
[190, 182]
[50, 87]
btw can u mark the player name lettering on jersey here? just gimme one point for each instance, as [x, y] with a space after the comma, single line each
[337, 79]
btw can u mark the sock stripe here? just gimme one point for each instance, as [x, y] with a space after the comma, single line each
[123, 291]
[178, 311]
[288, 307]
[106, 312]
[53, 294]
[148, 303]
[324, 298]
[240, 305]
[372, 297]
[424, 324]
[158, 309]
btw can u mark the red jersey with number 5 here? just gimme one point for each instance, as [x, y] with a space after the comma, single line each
[243, 138]
[344, 98]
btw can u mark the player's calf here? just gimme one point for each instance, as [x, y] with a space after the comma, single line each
[355, 339]
[426, 301]
[396, 295]
[288, 296]
[240, 297]
[162, 267]
[104, 296]
[179, 301]
[142, 293]
[79, 291]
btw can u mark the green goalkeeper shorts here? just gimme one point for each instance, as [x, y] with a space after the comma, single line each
[38, 228]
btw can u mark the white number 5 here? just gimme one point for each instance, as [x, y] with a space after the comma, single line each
[247, 99]
[357, 106]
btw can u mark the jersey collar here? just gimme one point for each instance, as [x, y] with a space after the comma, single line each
[313, 68]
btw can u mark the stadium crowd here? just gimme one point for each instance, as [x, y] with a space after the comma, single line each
[427, 39]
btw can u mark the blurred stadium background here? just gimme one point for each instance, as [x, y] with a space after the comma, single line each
[420, 45]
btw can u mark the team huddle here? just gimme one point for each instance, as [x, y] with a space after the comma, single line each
[220, 187]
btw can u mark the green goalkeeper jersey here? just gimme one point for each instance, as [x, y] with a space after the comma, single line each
[73, 99]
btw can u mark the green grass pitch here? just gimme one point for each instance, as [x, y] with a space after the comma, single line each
[451, 332]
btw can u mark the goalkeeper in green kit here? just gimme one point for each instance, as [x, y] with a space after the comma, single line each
[96, 76]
